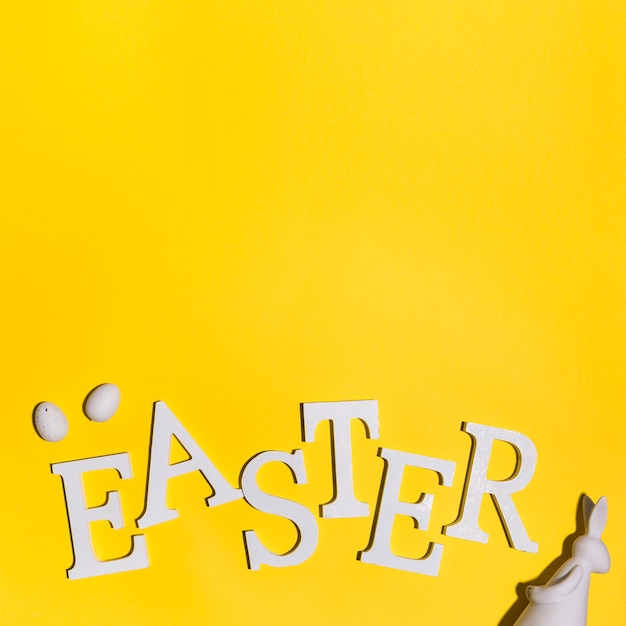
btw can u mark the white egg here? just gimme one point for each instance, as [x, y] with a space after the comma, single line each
[50, 422]
[102, 402]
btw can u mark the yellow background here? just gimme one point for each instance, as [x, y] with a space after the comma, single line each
[237, 207]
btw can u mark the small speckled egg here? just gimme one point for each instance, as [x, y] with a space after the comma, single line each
[102, 402]
[50, 422]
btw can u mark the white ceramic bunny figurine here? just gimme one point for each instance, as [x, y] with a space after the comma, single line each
[563, 600]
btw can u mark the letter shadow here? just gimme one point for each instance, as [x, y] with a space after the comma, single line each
[379, 504]
[147, 489]
[513, 614]
[332, 458]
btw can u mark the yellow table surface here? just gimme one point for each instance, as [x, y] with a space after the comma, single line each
[238, 207]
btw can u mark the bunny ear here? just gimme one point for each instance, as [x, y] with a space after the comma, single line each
[587, 506]
[597, 518]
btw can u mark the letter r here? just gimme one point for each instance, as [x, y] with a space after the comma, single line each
[500, 490]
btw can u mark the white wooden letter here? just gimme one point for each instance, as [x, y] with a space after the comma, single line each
[467, 526]
[80, 516]
[165, 425]
[340, 414]
[379, 552]
[301, 517]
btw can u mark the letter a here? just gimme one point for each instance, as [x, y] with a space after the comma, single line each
[165, 425]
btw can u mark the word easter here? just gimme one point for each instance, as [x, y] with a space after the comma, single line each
[344, 505]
